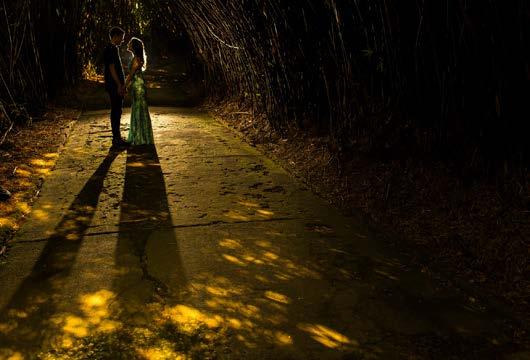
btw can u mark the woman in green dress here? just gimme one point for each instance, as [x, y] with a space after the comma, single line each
[140, 129]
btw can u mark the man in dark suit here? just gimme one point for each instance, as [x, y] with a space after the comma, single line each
[115, 83]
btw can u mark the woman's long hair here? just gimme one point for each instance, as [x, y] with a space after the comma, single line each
[138, 50]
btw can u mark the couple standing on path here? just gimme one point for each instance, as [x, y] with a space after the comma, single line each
[117, 86]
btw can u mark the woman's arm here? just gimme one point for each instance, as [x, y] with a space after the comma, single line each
[135, 65]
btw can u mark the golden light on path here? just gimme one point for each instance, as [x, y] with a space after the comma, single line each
[270, 255]
[283, 338]
[252, 259]
[67, 342]
[235, 323]
[23, 173]
[263, 243]
[73, 237]
[41, 215]
[162, 352]
[271, 295]
[44, 171]
[234, 260]
[265, 213]
[95, 318]
[24, 207]
[230, 244]
[16, 356]
[328, 337]
[76, 326]
[43, 163]
[262, 278]
[218, 291]
[190, 318]
[24, 183]
[236, 215]
[97, 299]
[16, 313]
[9, 223]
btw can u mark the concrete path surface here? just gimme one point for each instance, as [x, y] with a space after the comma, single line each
[201, 247]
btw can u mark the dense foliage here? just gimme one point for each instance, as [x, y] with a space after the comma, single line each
[443, 77]
[448, 77]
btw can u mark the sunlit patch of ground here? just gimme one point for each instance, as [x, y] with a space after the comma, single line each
[160, 340]
[95, 316]
[328, 337]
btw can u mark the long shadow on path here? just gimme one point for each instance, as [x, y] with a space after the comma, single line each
[147, 258]
[27, 316]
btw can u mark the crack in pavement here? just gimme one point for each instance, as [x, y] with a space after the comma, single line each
[220, 156]
[181, 226]
[161, 288]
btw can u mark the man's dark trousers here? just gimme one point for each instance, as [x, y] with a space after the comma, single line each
[116, 108]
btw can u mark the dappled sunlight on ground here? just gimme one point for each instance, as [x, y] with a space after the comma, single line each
[265, 253]
[25, 176]
[208, 254]
[249, 294]
[328, 337]
[247, 210]
[94, 316]
[246, 303]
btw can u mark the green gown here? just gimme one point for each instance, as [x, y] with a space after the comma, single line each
[140, 129]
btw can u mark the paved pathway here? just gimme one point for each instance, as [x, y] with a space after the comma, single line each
[203, 246]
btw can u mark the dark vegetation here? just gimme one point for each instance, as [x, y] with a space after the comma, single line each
[419, 82]
[445, 78]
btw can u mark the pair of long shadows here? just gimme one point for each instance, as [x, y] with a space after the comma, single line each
[144, 221]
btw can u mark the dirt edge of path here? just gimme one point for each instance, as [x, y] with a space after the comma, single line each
[27, 157]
